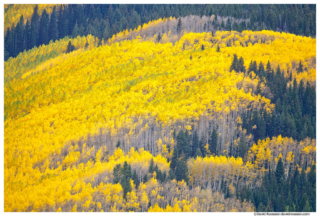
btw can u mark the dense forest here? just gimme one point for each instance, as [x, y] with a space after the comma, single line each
[160, 108]
[104, 20]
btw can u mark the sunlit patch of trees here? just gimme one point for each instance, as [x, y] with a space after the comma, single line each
[74, 121]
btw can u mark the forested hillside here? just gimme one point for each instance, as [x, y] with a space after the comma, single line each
[180, 110]
[27, 26]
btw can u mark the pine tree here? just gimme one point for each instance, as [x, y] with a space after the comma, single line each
[243, 147]
[307, 207]
[241, 68]
[62, 22]
[160, 176]
[135, 178]
[182, 170]
[53, 26]
[18, 37]
[34, 26]
[151, 166]
[235, 64]
[174, 158]
[304, 203]
[28, 35]
[312, 176]
[213, 141]
[75, 31]
[179, 25]
[145, 178]
[183, 143]
[279, 170]
[118, 143]
[43, 29]
[281, 203]
[198, 153]
[70, 47]
[159, 37]
[300, 68]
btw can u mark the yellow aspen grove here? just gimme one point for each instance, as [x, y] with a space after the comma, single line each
[149, 123]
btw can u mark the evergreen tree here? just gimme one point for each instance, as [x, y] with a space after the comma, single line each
[160, 176]
[135, 178]
[174, 160]
[28, 35]
[195, 143]
[34, 27]
[179, 25]
[151, 166]
[145, 178]
[118, 143]
[19, 33]
[312, 176]
[44, 29]
[182, 170]
[70, 47]
[53, 26]
[213, 142]
[243, 147]
[279, 170]
[235, 64]
[198, 153]
[242, 68]
[62, 22]
[183, 143]
[304, 203]
[159, 37]
[307, 207]
[75, 31]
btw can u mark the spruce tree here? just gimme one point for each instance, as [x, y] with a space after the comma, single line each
[70, 47]
[213, 142]
[242, 68]
[44, 29]
[279, 170]
[75, 31]
[18, 32]
[235, 64]
[243, 148]
[179, 25]
[118, 143]
[151, 166]
[198, 153]
[312, 176]
[34, 27]
[135, 178]
[159, 175]
[304, 202]
[53, 26]
[28, 33]
[182, 170]
[174, 159]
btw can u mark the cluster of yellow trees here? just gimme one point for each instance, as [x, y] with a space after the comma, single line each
[264, 45]
[208, 172]
[135, 92]
[43, 57]
[28, 188]
[89, 187]
[267, 152]
[12, 15]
